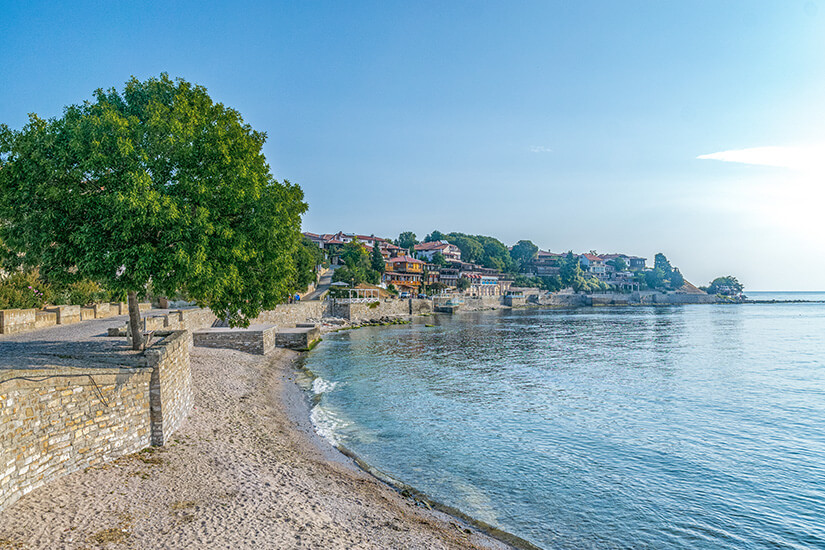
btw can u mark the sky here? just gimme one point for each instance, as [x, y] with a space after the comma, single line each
[696, 129]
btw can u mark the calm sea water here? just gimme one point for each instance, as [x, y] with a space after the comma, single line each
[801, 295]
[670, 427]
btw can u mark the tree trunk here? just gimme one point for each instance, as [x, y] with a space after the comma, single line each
[134, 322]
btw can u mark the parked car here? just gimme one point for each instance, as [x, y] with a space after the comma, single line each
[404, 295]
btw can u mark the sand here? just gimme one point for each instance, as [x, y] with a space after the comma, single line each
[246, 470]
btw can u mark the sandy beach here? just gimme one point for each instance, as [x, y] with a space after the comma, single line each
[245, 471]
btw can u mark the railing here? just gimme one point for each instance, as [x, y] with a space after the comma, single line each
[356, 300]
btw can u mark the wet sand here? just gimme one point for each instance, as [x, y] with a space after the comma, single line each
[246, 470]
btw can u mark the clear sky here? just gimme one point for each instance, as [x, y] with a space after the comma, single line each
[692, 128]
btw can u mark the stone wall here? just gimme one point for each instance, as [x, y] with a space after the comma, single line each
[659, 298]
[564, 299]
[59, 420]
[474, 303]
[76, 418]
[388, 308]
[299, 338]
[45, 319]
[66, 315]
[257, 339]
[170, 394]
[17, 320]
[289, 315]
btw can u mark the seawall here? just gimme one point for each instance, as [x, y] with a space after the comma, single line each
[54, 421]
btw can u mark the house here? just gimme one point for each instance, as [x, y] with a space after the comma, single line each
[635, 263]
[593, 264]
[428, 250]
[545, 264]
[448, 276]
[404, 272]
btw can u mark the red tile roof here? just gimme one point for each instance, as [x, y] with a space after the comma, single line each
[408, 259]
[433, 245]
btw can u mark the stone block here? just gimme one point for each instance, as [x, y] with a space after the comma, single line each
[45, 319]
[118, 331]
[154, 322]
[87, 313]
[144, 306]
[17, 320]
[257, 339]
[298, 338]
[66, 315]
[119, 308]
[102, 310]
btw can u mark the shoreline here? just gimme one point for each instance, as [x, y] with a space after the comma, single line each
[299, 409]
[246, 470]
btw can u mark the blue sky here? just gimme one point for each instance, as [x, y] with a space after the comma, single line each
[578, 125]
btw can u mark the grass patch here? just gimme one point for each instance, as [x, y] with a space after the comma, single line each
[114, 535]
[183, 504]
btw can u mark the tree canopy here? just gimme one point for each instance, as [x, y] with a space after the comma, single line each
[522, 253]
[358, 266]
[406, 240]
[158, 184]
[663, 276]
[307, 257]
[725, 285]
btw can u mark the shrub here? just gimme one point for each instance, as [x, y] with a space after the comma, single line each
[83, 292]
[24, 290]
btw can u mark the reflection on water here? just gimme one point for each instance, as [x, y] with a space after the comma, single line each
[667, 427]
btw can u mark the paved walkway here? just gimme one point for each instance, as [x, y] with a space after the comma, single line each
[323, 285]
[84, 344]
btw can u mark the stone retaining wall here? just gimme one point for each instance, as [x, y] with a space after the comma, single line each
[473, 303]
[387, 308]
[59, 420]
[52, 427]
[171, 391]
[289, 315]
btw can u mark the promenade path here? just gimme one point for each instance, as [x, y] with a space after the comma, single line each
[323, 285]
[84, 344]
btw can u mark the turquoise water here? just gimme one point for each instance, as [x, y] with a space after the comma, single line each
[671, 427]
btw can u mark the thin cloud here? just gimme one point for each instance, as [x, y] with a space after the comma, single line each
[807, 158]
[540, 149]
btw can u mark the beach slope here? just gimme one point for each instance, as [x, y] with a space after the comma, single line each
[245, 471]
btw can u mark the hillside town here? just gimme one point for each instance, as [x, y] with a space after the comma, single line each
[437, 266]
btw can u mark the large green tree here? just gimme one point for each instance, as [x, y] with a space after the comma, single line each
[406, 240]
[156, 183]
[522, 253]
[377, 259]
[308, 256]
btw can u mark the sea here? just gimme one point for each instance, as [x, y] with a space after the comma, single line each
[696, 426]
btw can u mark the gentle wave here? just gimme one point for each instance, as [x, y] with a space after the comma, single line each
[684, 427]
[321, 386]
[327, 424]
